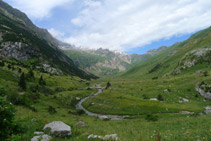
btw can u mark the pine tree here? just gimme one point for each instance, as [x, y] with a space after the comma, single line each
[41, 81]
[30, 74]
[108, 85]
[22, 82]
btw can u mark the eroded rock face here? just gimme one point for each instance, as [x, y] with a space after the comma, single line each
[192, 58]
[16, 50]
[49, 69]
[58, 128]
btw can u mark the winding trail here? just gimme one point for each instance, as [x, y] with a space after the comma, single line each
[100, 90]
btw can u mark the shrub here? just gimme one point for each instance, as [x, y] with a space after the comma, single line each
[51, 110]
[151, 117]
[2, 92]
[80, 112]
[108, 85]
[7, 113]
[2, 64]
[160, 97]
[30, 74]
[206, 73]
[145, 96]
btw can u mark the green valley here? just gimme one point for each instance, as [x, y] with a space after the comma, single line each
[50, 90]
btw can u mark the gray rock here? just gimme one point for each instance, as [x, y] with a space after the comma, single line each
[34, 119]
[78, 98]
[203, 93]
[199, 71]
[58, 128]
[104, 118]
[208, 110]
[183, 100]
[94, 137]
[112, 137]
[38, 133]
[186, 112]
[81, 124]
[153, 99]
[41, 138]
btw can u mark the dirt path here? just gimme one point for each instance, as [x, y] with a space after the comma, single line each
[112, 117]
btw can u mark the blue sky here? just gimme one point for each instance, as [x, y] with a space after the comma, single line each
[130, 26]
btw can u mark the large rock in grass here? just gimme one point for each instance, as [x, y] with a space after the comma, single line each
[208, 110]
[104, 118]
[112, 137]
[41, 138]
[58, 128]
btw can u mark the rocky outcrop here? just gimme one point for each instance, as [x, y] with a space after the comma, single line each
[192, 58]
[200, 88]
[58, 128]
[49, 69]
[16, 50]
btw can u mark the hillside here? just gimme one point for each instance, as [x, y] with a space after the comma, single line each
[25, 43]
[103, 62]
[181, 58]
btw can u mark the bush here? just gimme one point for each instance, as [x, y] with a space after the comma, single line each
[206, 73]
[80, 112]
[160, 97]
[108, 85]
[7, 113]
[2, 92]
[145, 96]
[51, 110]
[151, 117]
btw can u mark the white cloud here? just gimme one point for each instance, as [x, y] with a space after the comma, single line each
[125, 24]
[38, 9]
[55, 33]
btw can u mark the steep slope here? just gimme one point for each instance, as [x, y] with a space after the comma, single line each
[21, 40]
[103, 61]
[183, 57]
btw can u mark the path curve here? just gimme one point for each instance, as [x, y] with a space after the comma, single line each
[100, 90]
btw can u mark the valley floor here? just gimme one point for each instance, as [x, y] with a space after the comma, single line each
[57, 99]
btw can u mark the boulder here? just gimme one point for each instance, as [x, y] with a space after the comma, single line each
[112, 137]
[78, 98]
[104, 118]
[81, 124]
[58, 128]
[181, 100]
[41, 138]
[38, 133]
[208, 109]
[94, 137]
[153, 99]
[186, 112]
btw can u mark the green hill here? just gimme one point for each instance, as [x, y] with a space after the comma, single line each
[182, 57]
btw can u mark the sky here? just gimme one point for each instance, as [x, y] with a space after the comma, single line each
[130, 26]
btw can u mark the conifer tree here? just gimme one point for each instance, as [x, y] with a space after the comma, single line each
[41, 81]
[22, 82]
